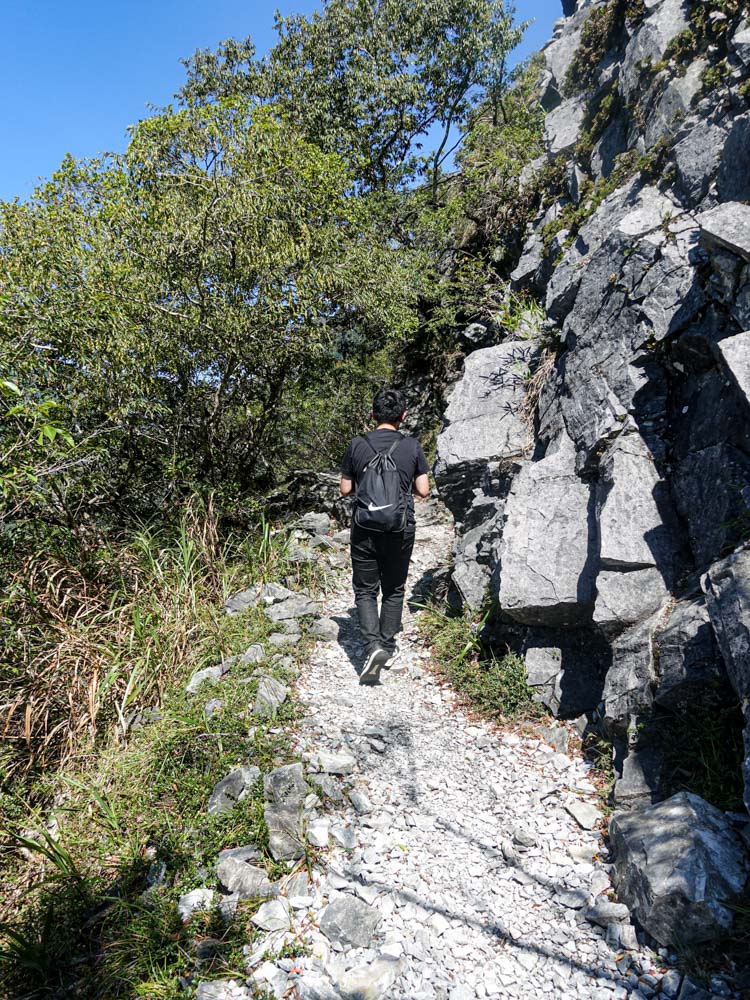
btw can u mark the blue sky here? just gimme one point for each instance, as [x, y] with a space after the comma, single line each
[75, 73]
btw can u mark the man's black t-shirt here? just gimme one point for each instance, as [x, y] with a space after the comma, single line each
[408, 458]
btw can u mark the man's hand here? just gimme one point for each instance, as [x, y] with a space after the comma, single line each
[346, 486]
[422, 486]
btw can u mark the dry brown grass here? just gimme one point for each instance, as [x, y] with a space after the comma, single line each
[83, 649]
[536, 384]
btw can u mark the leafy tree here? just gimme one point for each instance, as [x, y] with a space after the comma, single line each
[373, 79]
[170, 303]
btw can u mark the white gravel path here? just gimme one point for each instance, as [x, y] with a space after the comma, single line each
[460, 839]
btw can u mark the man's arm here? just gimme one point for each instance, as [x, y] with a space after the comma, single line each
[347, 472]
[421, 480]
[422, 486]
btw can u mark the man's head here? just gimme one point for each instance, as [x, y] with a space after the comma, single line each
[389, 406]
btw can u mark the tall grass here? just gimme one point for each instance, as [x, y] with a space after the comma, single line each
[87, 640]
[88, 645]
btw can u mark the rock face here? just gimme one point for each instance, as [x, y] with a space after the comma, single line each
[612, 535]
[546, 571]
[678, 865]
[566, 669]
[727, 588]
[637, 534]
[484, 420]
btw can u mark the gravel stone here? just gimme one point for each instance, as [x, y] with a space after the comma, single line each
[585, 814]
[270, 697]
[191, 902]
[333, 763]
[232, 789]
[273, 916]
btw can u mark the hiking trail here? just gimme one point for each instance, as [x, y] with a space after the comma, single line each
[454, 869]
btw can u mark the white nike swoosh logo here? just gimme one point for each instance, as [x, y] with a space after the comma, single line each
[370, 506]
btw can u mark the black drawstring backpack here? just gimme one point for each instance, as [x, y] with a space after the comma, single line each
[381, 504]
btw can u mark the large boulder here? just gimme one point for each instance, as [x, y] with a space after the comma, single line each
[734, 354]
[725, 237]
[631, 679]
[670, 660]
[707, 487]
[710, 437]
[478, 533]
[566, 669]
[626, 596]
[637, 533]
[688, 662]
[549, 546]
[733, 181]
[727, 226]
[707, 407]
[473, 560]
[727, 589]
[678, 866]
[638, 774]
[484, 421]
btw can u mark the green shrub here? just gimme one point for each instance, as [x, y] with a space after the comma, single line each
[682, 48]
[495, 686]
[598, 35]
[714, 76]
[80, 915]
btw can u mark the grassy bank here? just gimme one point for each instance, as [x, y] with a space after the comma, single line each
[105, 821]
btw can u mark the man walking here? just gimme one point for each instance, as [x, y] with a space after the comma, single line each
[381, 552]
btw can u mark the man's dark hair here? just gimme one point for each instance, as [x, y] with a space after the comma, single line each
[388, 405]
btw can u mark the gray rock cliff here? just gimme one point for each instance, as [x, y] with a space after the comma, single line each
[609, 524]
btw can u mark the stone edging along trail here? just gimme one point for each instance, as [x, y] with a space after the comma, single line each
[458, 861]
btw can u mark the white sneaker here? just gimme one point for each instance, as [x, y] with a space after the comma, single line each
[373, 664]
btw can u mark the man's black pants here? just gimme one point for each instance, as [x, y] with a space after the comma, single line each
[380, 562]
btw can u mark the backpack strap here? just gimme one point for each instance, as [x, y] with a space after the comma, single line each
[389, 453]
[395, 445]
[366, 438]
